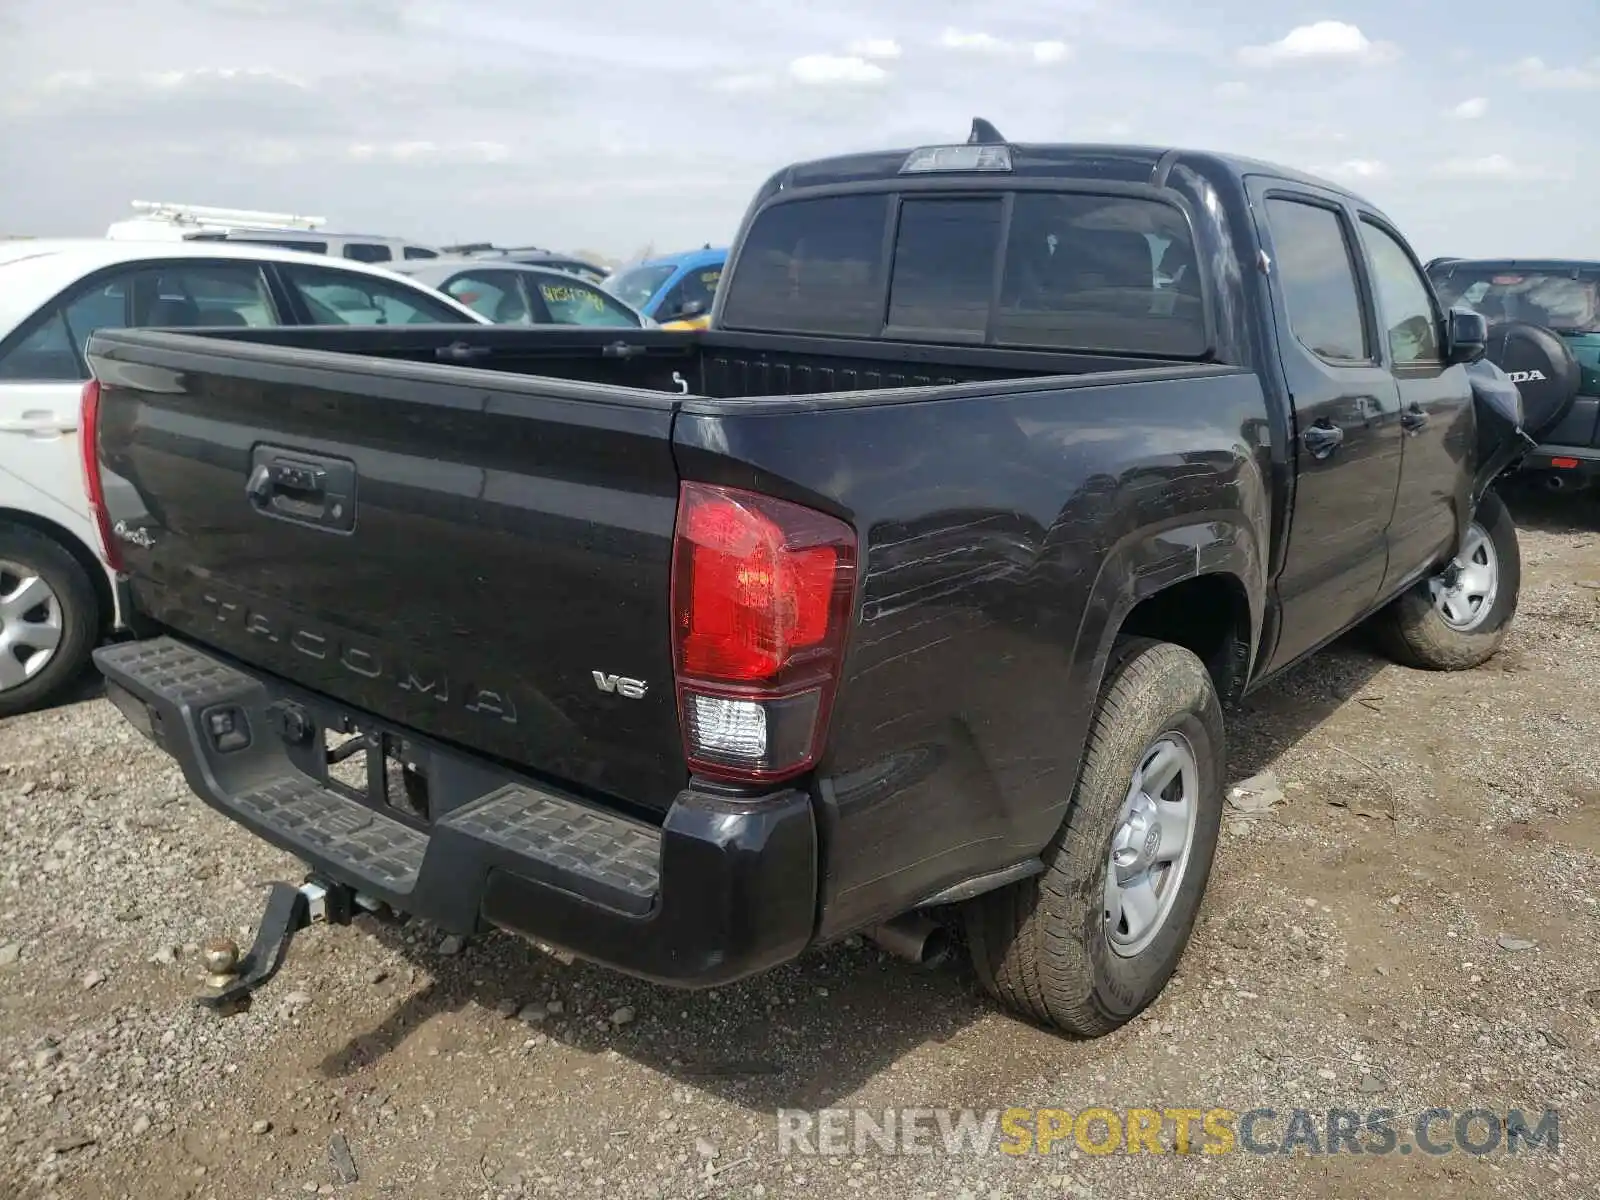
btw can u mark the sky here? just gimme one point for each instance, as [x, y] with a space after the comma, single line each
[631, 123]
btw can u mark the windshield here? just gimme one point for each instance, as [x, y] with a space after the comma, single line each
[635, 286]
[1553, 299]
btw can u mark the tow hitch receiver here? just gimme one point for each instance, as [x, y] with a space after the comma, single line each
[232, 981]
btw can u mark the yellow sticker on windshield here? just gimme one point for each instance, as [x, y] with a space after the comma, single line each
[561, 293]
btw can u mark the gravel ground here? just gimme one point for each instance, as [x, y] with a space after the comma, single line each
[1414, 926]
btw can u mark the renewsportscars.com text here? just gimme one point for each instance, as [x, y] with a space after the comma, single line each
[1099, 1130]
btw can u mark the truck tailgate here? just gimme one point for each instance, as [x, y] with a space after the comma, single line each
[477, 556]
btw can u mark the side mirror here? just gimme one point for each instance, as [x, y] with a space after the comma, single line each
[1468, 335]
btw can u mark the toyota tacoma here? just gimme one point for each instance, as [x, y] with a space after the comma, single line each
[915, 587]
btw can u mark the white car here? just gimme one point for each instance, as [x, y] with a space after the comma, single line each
[57, 598]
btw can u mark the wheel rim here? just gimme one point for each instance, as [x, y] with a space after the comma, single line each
[30, 624]
[1151, 843]
[1464, 592]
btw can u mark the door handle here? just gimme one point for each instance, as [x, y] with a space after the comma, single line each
[39, 423]
[1323, 438]
[1413, 419]
[461, 352]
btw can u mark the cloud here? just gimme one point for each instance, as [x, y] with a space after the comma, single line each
[749, 81]
[1470, 110]
[1353, 169]
[1498, 166]
[829, 70]
[578, 112]
[875, 48]
[424, 153]
[1321, 41]
[1532, 72]
[969, 42]
[984, 43]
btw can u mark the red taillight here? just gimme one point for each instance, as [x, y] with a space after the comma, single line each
[763, 591]
[88, 446]
[1565, 464]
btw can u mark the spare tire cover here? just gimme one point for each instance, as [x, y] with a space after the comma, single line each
[1540, 363]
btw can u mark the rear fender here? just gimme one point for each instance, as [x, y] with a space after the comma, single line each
[1151, 561]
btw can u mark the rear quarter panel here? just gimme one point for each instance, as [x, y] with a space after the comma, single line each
[1004, 537]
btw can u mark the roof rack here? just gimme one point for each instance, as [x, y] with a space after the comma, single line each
[233, 218]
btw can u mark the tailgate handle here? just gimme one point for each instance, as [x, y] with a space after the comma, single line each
[291, 480]
[461, 352]
[304, 488]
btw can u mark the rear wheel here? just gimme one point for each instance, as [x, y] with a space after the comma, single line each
[1460, 617]
[49, 618]
[1089, 943]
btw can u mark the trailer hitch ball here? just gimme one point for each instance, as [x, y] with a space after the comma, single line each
[221, 958]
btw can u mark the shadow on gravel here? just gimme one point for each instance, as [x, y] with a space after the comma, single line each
[802, 1036]
[1563, 512]
[1289, 710]
[810, 1033]
[90, 685]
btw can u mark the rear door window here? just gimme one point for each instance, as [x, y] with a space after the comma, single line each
[44, 355]
[812, 266]
[335, 297]
[493, 294]
[1316, 270]
[183, 294]
[103, 305]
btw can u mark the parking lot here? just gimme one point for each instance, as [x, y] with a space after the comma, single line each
[1413, 927]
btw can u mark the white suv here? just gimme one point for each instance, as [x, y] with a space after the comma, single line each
[56, 595]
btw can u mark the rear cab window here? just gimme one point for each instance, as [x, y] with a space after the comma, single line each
[1110, 274]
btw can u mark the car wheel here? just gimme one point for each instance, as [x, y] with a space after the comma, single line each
[1086, 945]
[49, 619]
[1460, 617]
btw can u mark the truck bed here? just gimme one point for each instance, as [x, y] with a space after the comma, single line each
[710, 364]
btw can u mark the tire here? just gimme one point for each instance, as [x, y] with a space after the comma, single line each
[1415, 632]
[1043, 946]
[71, 607]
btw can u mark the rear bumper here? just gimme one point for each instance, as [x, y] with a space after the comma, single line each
[1577, 464]
[723, 888]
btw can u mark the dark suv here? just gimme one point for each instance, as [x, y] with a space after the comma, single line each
[1563, 296]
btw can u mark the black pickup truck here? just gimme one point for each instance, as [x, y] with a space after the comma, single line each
[908, 597]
